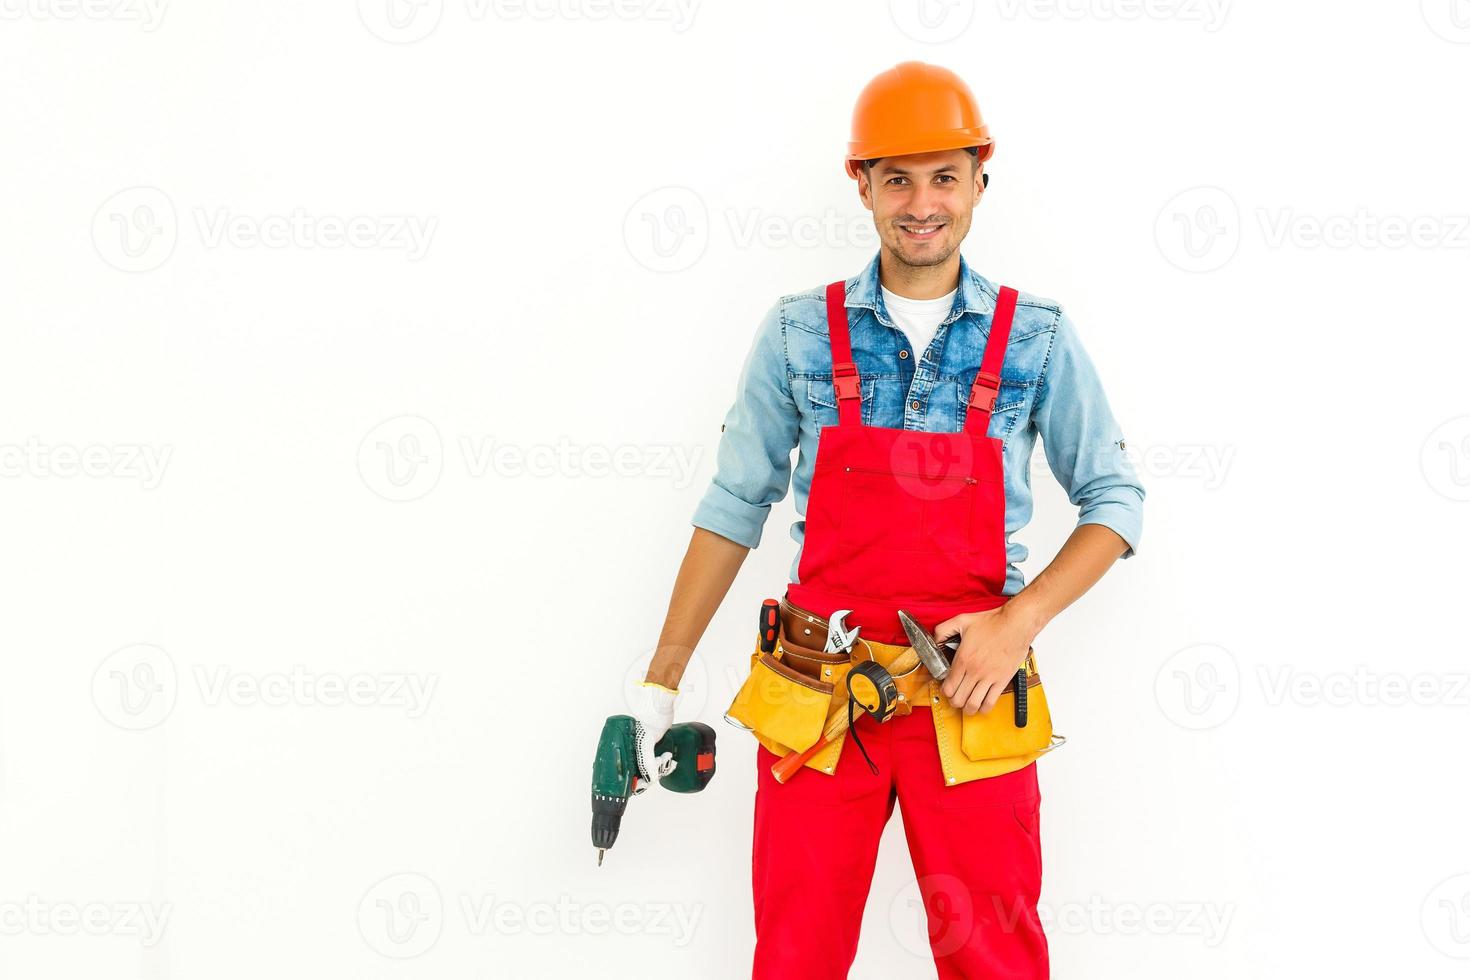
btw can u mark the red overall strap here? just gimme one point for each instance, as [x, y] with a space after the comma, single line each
[987, 378]
[845, 382]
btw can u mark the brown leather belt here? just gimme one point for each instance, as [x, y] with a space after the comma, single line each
[805, 629]
[804, 637]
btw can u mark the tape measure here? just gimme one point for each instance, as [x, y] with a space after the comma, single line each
[873, 689]
[870, 687]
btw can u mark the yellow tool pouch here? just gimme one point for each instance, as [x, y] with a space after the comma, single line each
[780, 703]
[794, 694]
[790, 698]
[995, 734]
[775, 702]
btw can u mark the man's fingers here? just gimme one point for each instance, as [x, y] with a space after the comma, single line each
[960, 692]
[985, 695]
[951, 684]
[976, 701]
[946, 629]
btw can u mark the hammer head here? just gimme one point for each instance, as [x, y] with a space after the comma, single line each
[931, 655]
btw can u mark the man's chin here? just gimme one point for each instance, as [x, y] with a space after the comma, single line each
[920, 255]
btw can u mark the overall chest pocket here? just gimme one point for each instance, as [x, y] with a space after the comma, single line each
[906, 511]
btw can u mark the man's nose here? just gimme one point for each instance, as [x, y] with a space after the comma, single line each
[925, 203]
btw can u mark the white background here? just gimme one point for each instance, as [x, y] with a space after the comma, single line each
[385, 462]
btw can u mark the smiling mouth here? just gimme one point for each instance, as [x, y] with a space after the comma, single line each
[922, 232]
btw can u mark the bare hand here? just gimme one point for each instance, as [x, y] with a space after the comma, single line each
[993, 646]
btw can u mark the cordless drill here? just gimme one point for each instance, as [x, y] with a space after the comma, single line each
[615, 770]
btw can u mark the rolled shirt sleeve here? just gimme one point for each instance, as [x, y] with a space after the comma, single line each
[753, 463]
[1084, 445]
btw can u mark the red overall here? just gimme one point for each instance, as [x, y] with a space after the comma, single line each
[898, 518]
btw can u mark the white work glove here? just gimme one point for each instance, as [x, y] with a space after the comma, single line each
[652, 707]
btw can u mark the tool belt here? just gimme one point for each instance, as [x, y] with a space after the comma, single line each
[795, 692]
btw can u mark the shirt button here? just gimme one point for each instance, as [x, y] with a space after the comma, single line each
[903, 355]
[914, 405]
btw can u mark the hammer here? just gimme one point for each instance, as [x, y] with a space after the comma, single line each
[791, 763]
[923, 651]
[936, 662]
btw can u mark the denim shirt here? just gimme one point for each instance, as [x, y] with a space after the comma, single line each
[1049, 388]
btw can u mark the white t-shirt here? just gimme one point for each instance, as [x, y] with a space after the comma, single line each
[917, 318]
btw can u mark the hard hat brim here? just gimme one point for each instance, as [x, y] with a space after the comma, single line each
[858, 152]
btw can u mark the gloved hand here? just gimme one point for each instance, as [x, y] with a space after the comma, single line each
[652, 707]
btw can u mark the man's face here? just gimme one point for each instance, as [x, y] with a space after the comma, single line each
[922, 202]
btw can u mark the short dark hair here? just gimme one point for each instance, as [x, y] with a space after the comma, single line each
[974, 151]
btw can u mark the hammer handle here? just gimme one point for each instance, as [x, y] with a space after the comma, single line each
[791, 763]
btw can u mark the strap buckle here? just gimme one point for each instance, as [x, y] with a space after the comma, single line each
[983, 392]
[845, 381]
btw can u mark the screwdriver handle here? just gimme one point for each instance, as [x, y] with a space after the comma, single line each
[770, 624]
[1021, 697]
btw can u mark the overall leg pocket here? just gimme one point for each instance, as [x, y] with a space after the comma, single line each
[1028, 815]
[1001, 793]
[803, 789]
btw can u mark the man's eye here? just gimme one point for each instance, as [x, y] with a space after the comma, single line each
[947, 177]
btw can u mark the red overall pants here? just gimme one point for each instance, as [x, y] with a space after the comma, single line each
[900, 519]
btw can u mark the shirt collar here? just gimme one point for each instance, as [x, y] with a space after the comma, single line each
[975, 294]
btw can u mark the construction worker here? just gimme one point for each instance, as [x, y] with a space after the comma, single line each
[915, 393]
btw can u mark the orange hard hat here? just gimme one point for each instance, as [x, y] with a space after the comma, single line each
[915, 107]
